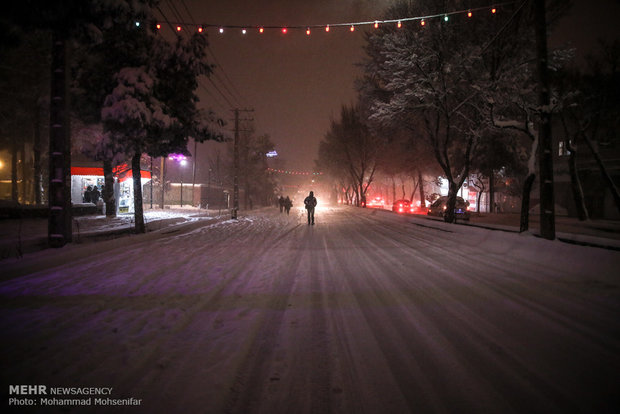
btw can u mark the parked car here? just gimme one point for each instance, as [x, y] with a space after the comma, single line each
[438, 208]
[403, 206]
[376, 202]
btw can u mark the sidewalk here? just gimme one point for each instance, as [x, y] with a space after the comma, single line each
[599, 233]
[18, 237]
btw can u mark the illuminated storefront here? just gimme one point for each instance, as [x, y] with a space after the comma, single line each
[85, 178]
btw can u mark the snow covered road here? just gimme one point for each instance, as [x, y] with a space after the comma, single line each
[365, 312]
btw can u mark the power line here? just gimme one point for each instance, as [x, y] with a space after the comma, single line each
[230, 104]
[237, 97]
[225, 83]
[187, 10]
[444, 15]
[174, 10]
[213, 97]
[215, 86]
[504, 27]
[170, 25]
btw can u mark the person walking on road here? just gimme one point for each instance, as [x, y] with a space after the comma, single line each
[310, 204]
[287, 205]
[281, 203]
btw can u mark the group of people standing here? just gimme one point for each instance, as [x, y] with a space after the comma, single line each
[92, 194]
[309, 204]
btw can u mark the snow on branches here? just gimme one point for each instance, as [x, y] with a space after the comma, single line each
[131, 110]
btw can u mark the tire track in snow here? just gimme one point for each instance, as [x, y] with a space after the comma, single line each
[144, 345]
[466, 325]
[307, 336]
[400, 381]
[320, 363]
[531, 290]
[521, 285]
[397, 321]
[253, 373]
[347, 374]
[228, 293]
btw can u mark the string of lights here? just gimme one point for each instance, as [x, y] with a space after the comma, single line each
[180, 26]
[291, 172]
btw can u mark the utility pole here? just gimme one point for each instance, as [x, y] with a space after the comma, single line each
[236, 168]
[151, 197]
[208, 189]
[235, 208]
[545, 144]
[37, 154]
[194, 170]
[59, 229]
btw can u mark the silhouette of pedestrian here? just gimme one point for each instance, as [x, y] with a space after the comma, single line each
[87, 194]
[310, 204]
[287, 205]
[281, 203]
[94, 195]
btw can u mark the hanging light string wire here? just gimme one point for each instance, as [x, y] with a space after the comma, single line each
[492, 7]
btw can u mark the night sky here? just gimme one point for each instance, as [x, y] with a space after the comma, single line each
[297, 83]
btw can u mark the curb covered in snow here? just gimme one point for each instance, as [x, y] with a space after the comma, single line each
[565, 237]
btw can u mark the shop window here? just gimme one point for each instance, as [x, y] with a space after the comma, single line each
[563, 149]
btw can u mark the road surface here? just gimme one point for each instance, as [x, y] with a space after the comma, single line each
[365, 312]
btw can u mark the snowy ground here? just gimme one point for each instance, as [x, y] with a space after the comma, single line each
[19, 237]
[365, 312]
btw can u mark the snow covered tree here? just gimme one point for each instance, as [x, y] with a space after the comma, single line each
[335, 171]
[113, 42]
[257, 182]
[24, 90]
[63, 20]
[67, 21]
[138, 83]
[589, 109]
[511, 93]
[350, 146]
[451, 76]
[129, 113]
[407, 156]
[498, 151]
[426, 79]
[261, 182]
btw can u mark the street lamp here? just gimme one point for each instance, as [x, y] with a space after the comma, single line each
[183, 163]
[195, 157]
[162, 179]
[209, 189]
[182, 160]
